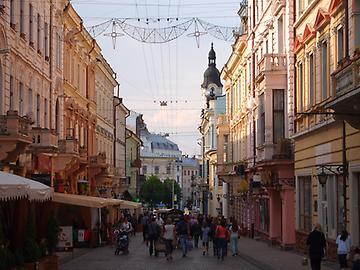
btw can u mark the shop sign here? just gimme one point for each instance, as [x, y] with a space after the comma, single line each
[65, 238]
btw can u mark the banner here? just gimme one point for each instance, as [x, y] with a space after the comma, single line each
[65, 238]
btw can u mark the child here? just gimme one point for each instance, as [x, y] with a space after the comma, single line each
[205, 238]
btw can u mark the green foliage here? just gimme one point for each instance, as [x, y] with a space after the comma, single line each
[155, 192]
[152, 191]
[31, 250]
[52, 234]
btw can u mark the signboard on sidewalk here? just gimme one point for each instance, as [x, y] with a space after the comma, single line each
[65, 238]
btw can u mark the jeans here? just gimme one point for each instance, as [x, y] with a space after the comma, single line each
[342, 260]
[234, 245]
[222, 244]
[152, 241]
[183, 239]
[196, 240]
[169, 247]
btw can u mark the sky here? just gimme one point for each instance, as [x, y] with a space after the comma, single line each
[172, 71]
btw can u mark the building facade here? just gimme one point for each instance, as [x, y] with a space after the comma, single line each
[190, 175]
[133, 162]
[214, 105]
[327, 123]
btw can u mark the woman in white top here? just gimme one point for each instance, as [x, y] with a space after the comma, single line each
[343, 242]
[169, 236]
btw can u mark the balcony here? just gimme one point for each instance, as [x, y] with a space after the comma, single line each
[271, 63]
[225, 169]
[43, 139]
[83, 153]
[98, 160]
[14, 136]
[69, 146]
[283, 149]
[346, 85]
[136, 163]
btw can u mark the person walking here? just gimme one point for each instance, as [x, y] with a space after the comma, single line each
[213, 237]
[154, 231]
[344, 243]
[144, 224]
[196, 232]
[205, 230]
[222, 235]
[234, 237]
[317, 244]
[169, 235]
[183, 231]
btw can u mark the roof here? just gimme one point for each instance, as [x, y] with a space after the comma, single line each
[190, 162]
[158, 141]
[211, 74]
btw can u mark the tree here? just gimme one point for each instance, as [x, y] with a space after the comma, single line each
[152, 190]
[167, 195]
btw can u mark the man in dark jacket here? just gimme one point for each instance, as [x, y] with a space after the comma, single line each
[317, 244]
[154, 232]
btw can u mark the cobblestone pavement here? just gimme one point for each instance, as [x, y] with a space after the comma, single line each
[253, 255]
[104, 259]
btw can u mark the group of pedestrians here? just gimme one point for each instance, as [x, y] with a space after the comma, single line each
[317, 248]
[189, 232]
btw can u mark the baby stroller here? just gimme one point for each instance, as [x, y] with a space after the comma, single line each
[122, 242]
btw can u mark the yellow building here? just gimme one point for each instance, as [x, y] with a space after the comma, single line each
[327, 137]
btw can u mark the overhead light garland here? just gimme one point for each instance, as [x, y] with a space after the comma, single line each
[148, 34]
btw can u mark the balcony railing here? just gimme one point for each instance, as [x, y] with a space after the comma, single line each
[225, 169]
[69, 146]
[43, 137]
[347, 78]
[271, 62]
[13, 124]
[283, 149]
[98, 160]
[136, 163]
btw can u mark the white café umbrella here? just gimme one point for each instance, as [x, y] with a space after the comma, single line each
[14, 187]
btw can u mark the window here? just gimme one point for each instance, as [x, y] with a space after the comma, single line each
[38, 32]
[340, 44]
[264, 214]
[11, 93]
[12, 14]
[226, 147]
[178, 179]
[45, 113]
[46, 39]
[300, 79]
[324, 70]
[281, 35]
[311, 80]
[157, 170]
[177, 168]
[261, 120]
[30, 102]
[21, 99]
[22, 18]
[58, 51]
[31, 34]
[278, 114]
[168, 169]
[38, 110]
[305, 202]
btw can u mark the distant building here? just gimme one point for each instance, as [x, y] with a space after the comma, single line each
[190, 175]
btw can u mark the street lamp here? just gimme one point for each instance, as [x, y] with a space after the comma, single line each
[322, 177]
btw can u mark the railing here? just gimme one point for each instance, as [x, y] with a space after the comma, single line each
[136, 163]
[69, 146]
[13, 124]
[283, 149]
[43, 137]
[271, 62]
[347, 78]
[99, 159]
[83, 152]
[225, 169]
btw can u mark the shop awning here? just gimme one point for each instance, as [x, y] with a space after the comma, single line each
[85, 201]
[14, 186]
[130, 205]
